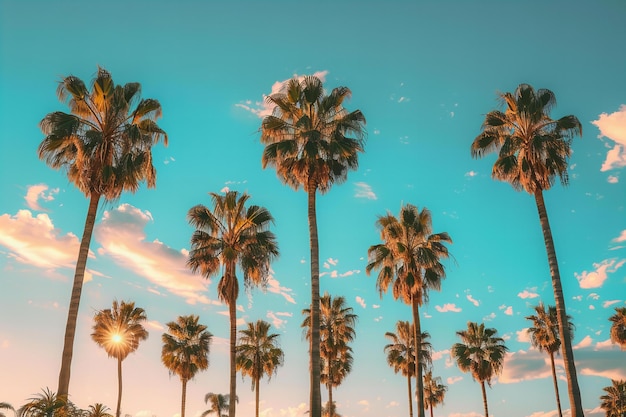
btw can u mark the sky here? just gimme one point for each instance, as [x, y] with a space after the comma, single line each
[424, 74]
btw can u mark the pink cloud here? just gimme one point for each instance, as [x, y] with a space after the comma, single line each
[595, 279]
[621, 237]
[449, 307]
[526, 365]
[37, 192]
[274, 286]
[613, 127]
[527, 294]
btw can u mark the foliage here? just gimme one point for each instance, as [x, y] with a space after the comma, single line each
[614, 401]
[618, 327]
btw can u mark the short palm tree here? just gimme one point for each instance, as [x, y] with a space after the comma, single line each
[614, 401]
[481, 353]
[228, 236]
[258, 354]
[337, 322]
[329, 410]
[434, 391]
[118, 330]
[98, 410]
[105, 146]
[409, 261]
[533, 149]
[185, 350]
[308, 140]
[45, 404]
[544, 335]
[220, 404]
[6, 406]
[401, 353]
[618, 328]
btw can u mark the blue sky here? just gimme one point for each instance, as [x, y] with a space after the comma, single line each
[424, 73]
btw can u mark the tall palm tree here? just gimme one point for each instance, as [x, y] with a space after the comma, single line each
[45, 404]
[434, 391]
[544, 335]
[185, 350]
[533, 149]
[401, 353]
[308, 141]
[618, 328]
[614, 401]
[481, 353]
[337, 322]
[219, 403]
[98, 410]
[6, 406]
[258, 354]
[409, 261]
[104, 144]
[118, 330]
[228, 236]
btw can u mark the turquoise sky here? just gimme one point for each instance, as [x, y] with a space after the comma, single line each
[423, 73]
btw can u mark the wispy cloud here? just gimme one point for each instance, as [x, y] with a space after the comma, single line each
[274, 286]
[276, 319]
[609, 303]
[364, 190]
[37, 192]
[595, 278]
[508, 310]
[471, 174]
[613, 127]
[122, 236]
[360, 301]
[453, 379]
[621, 237]
[527, 294]
[449, 307]
[473, 300]
[612, 179]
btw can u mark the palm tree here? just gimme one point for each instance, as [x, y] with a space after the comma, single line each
[119, 330]
[544, 335]
[6, 406]
[408, 260]
[46, 404]
[308, 141]
[337, 322]
[618, 328]
[98, 410]
[329, 410]
[258, 354]
[434, 391]
[185, 350]
[104, 145]
[228, 236]
[401, 353]
[614, 401]
[481, 353]
[219, 403]
[533, 149]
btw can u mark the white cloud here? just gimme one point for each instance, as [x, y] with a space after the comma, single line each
[364, 190]
[440, 354]
[472, 300]
[489, 317]
[586, 342]
[595, 278]
[276, 320]
[332, 261]
[508, 310]
[360, 301]
[122, 237]
[526, 365]
[392, 404]
[613, 127]
[274, 286]
[449, 307]
[225, 190]
[471, 174]
[621, 237]
[609, 303]
[36, 192]
[612, 179]
[606, 344]
[451, 380]
[527, 294]
[523, 336]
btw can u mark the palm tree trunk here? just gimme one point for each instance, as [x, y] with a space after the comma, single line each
[482, 386]
[77, 288]
[183, 399]
[408, 379]
[331, 409]
[419, 385]
[566, 345]
[256, 385]
[556, 386]
[119, 388]
[316, 397]
[431, 410]
[232, 308]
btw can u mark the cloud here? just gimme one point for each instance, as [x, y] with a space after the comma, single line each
[508, 310]
[613, 127]
[263, 108]
[440, 354]
[447, 308]
[601, 362]
[360, 301]
[36, 192]
[276, 320]
[527, 294]
[349, 273]
[489, 317]
[35, 241]
[472, 300]
[612, 179]
[526, 365]
[122, 237]
[596, 278]
[621, 237]
[332, 261]
[586, 342]
[274, 286]
[224, 190]
[364, 190]
[609, 303]
[451, 380]
[471, 174]
[523, 336]
[392, 404]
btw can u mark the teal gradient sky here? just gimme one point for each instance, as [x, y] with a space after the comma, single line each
[424, 74]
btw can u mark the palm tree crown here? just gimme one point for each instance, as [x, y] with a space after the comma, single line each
[258, 354]
[105, 146]
[185, 350]
[618, 327]
[614, 401]
[219, 403]
[312, 141]
[5, 406]
[45, 404]
[230, 235]
[434, 391]
[98, 410]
